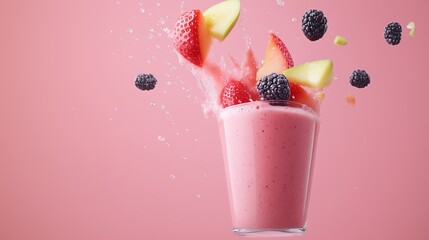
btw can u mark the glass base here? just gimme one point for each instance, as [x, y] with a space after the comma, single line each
[247, 232]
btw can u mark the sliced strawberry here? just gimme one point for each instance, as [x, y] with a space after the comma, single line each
[277, 58]
[300, 95]
[191, 37]
[235, 92]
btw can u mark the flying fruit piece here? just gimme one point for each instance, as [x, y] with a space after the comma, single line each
[340, 41]
[317, 74]
[412, 27]
[221, 18]
[191, 37]
[277, 58]
[350, 99]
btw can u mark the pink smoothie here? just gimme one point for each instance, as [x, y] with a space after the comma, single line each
[269, 152]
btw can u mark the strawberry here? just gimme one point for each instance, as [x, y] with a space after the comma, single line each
[277, 57]
[235, 92]
[191, 37]
[300, 95]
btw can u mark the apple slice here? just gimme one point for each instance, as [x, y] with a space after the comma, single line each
[277, 58]
[221, 18]
[191, 37]
[317, 74]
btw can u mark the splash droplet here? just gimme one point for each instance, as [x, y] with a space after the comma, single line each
[161, 138]
[280, 2]
[167, 31]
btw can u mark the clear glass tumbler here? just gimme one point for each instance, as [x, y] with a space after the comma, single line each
[268, 149]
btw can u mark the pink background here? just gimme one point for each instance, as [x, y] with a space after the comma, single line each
[86, 155]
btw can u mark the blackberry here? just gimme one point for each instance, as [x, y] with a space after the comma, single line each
[274, 87]
[145, 82]
[359, 78]
[314, 24]
[393, 33]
